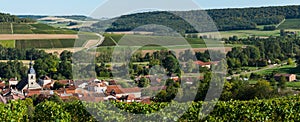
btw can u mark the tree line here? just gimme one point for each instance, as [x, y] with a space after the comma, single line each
[7, 18]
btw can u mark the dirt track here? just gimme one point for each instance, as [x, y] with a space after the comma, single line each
[36, 36]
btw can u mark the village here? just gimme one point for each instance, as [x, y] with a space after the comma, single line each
[92, 90]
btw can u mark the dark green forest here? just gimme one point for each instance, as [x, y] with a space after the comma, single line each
[7, 18]
[225, 19]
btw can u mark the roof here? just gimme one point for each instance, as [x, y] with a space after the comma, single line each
[112, 82]
[45, 77]
[131, 97]
[2, 85]
[12, 79]
[66, 81]
[119, 90]
[21, 84]
[131, 90]
[31, 70]
[116, 88]
[203, 63]
[146, 101]
[285, 75]
[32, 92]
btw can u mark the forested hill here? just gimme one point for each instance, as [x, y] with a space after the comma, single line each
[226, 19]
[5, 18]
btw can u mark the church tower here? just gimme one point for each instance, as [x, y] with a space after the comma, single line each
[31, 75]
[32, 84]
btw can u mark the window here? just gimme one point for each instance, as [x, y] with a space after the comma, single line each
[31, 78]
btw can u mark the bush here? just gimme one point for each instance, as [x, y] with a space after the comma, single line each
[51, 111]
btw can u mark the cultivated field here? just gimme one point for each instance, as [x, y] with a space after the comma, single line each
[37, 28]
[53, 43]
[290, 24]
[36, 36]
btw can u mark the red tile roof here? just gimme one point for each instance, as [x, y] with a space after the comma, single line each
[2, 85]
[146, 101]
[119, 90]
[65, 82]
[203, 63]
[13, 79]
[131, 97]
[32, 92]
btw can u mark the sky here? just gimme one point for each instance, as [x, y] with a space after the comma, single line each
[88, 7]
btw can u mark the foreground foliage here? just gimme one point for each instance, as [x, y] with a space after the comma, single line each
[278, 109]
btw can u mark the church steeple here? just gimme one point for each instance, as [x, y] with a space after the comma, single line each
[31, 69]
[32, 84]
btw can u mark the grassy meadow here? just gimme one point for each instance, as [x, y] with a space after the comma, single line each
[8, 43]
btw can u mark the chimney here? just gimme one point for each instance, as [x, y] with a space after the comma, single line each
[16, 78]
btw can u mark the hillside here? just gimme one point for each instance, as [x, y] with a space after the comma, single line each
[74, 17]
[225, 19]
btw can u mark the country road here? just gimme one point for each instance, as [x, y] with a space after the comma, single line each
[88, 44]
[94, 43]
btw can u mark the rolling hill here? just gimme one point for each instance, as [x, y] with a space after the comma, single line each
[225, 19]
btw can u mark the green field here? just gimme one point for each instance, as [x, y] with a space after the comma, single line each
[112, 39]
[8, 43]
[53, 43]
[293, 84]
[20, 28]
[247, 33]
[290, 24]
[46, 29]
[5, 28]
[289, 69]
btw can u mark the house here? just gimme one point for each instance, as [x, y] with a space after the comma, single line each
[118, 91]
[13, 81]
[289, 77]
[44, 80]
[205, 64]
[174, 77]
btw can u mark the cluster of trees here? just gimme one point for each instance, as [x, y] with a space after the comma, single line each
[55, 67]
[260, 51]
[21, 54]
[226, 19]
[44, 63]
[5, 18]
[13, 69]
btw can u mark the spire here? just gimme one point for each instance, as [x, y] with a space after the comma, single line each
[30, 64]
[31, 69]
